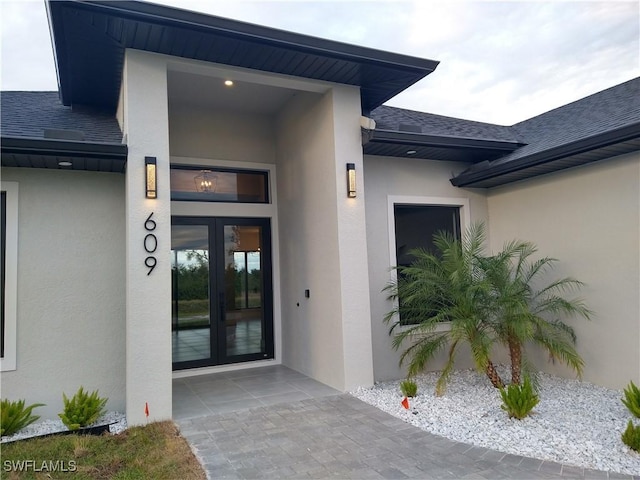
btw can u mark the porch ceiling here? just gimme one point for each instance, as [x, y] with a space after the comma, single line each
[211, 93]
[90, 38]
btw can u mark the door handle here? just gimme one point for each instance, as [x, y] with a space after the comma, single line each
[222, 306]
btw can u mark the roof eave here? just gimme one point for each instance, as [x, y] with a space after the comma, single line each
[407, 69]
[442, 141]
[47, 146]
[628, 132]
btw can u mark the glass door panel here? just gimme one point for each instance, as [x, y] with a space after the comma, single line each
[191, 319]
[243, 284]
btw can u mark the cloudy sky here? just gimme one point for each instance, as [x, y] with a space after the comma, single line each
[501, 62]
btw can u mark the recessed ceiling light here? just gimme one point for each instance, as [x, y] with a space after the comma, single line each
[411, 152]
[228, 83]
[64, 163]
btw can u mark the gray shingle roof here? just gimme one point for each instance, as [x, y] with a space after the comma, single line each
[597, 127]
[602, 112]
[594, 128]
[398, 119]
[29, 114]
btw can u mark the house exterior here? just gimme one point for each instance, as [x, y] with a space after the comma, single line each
[183, 205]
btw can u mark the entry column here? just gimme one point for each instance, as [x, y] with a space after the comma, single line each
[143, 112]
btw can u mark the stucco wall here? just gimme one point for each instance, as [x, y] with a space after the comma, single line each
[386, 177]
[589, 219]
[321, 232]
[71, 257]
[311, 328]
[233, 136]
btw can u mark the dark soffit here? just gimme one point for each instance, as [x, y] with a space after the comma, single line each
[436, 147]
[47, 153]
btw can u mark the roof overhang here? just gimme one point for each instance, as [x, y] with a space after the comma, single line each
[599, 147]
[435, 147]
[48, 153]
[90, 37]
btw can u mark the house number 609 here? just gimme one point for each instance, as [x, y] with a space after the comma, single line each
[150, 243]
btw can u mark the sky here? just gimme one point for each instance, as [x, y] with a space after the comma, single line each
[501, 61]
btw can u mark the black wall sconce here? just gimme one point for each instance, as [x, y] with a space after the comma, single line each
[150, 177]
[351, 180]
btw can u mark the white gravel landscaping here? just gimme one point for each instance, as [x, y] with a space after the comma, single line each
[116, 420]
[575, 423]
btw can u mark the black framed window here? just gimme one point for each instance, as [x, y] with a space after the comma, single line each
[213, 184]
[3, 254]
[416, 225]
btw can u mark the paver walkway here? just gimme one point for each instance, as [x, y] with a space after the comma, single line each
[342, 437]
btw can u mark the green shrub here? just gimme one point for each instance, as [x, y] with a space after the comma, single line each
[631, 436]
[83, 409]
[409, 388]
[632, 399]
[14, 416]
[519, 400]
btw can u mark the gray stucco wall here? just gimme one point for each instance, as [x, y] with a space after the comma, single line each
[71, 255]
[384, 177]
[589, 219]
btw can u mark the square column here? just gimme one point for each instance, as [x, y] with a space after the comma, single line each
[143, 111]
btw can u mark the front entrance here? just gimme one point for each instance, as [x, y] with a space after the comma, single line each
[222, 298]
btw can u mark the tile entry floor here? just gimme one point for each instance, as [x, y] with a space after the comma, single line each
[242, 389]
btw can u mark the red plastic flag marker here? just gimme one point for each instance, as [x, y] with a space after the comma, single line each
[146, 409]
[405, 403]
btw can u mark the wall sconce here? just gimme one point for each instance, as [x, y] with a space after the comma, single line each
[351, 180]
[150, 177]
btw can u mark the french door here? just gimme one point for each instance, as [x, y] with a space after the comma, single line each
[222, 295]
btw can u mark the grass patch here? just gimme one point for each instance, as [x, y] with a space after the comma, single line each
[154, 451]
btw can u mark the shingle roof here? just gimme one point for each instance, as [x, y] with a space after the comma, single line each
[29, 114]
[597, 127]
[398, 119]
[602, 112]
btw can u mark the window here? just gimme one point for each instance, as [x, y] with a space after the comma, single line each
[9, 273]
[213, 184]
[414, 220]
[3, 252]
[415, 226]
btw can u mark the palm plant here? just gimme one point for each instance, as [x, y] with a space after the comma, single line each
[445, 287]
[525, 314]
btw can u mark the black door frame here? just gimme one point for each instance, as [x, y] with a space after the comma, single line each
[217, 327]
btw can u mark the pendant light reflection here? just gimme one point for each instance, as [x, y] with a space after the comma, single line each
[206, 181]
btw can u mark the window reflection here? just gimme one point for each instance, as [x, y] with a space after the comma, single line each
[218, 185]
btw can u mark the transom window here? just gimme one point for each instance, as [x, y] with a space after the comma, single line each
[213, 184]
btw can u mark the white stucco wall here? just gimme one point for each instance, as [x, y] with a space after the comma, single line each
[71, 258]
[230, 136]
[316, 136]
[589, 219]
[144, 110]
[420, 179]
